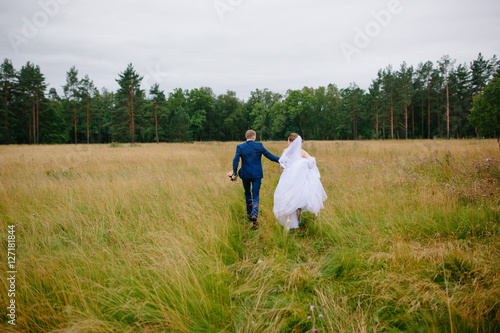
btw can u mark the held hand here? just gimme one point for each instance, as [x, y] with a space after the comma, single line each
[232, 176]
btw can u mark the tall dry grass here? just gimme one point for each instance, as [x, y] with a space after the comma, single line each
[154, 238]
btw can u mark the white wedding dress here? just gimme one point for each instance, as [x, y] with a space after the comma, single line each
[299, 186]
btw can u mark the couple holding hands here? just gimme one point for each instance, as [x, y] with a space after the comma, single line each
[299, 188]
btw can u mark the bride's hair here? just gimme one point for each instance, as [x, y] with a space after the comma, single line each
[293, 136]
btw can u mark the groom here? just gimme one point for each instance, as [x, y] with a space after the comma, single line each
[251, 172]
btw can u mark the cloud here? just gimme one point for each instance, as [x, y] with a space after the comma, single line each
[278, 45]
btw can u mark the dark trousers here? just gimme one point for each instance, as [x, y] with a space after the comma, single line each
[252, 189]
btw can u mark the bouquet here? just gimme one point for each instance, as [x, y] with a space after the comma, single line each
[232, 176]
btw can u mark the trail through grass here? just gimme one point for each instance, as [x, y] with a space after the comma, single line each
[153, 238]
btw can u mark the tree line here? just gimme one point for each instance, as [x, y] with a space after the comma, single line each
[431, 100]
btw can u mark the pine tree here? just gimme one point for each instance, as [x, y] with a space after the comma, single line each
[374, 97]
[485, 113]
[352, 109]
[481, 70]
[462, 100]
[129, 105]
[211, 116]
[32, 89]
[160, 108]
[405, 88]
[87, 92]
[8, 82]
[104, 104]
[424, 71]
[330, 114]
[54, 127]
[72, 96]
[438, 95]
[445, 68]
[179, 127]
[388, 86]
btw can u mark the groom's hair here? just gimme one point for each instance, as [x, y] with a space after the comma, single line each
[250, 134]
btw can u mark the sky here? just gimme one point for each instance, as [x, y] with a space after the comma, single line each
[242, 45]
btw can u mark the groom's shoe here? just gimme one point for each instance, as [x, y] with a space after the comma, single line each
[255, 225]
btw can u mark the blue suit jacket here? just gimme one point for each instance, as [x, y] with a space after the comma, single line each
[251, 154]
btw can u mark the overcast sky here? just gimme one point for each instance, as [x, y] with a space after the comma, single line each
[242, 45]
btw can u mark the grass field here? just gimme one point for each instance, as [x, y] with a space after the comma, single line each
[153, 238]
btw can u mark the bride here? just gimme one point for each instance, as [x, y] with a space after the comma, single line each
[299, 188]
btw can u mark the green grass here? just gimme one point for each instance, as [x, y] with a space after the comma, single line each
[154, 239]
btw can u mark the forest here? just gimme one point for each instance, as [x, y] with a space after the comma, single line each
[432, 100]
